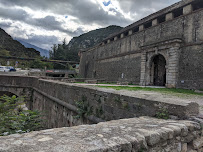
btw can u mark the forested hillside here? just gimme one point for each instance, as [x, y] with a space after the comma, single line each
[10, 47]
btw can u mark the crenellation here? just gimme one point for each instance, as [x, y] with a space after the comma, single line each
[169, 16]
[122, 35]
[141, 27]
[155, 22]
[187, 9]
[115, 38]
[130, 32]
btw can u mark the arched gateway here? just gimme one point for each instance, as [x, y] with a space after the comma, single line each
[158, 70]
[159, 64]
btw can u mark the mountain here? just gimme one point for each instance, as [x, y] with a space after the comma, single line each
[88, 40]
[92, 38]
[11, 47]
[43, 52]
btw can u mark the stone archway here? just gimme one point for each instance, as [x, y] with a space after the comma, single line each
[166, 53]
[158, 70]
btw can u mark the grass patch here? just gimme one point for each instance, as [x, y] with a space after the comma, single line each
[107, 83]
[79, 82]
[161, 90]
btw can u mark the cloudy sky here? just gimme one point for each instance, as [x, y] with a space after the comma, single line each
[47, 22]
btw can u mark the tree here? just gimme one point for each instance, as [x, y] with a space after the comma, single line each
[15, 118]
[52, 52]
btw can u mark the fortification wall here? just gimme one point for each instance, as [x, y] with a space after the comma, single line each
[118, 58]
[58, 101]
[191, 67]
[128, 135]
[63, 103]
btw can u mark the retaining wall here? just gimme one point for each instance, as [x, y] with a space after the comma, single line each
[60, 101]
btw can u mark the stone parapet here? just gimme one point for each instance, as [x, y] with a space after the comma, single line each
[106, 104]
[127, 135]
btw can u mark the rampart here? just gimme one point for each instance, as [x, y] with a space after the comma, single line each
[58, 100]
[174, 33]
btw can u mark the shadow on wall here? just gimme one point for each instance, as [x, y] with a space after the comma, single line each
[2, 93]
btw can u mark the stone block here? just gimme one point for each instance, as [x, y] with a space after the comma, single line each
[130, 32]
[141, 27]
[198, 143]
[184, 147]
[187, 9]
[169, 16]
[115, 38]
[154, 22]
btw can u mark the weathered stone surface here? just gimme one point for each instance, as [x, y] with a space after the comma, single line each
[198, 143]
[184, 147]
[135, 134]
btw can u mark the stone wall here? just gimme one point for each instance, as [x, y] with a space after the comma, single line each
[110, 105]
[142, 134]
[191, 71]
[119, 59]
[60, 100]
[56, 113]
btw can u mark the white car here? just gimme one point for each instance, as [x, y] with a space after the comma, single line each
[4, 69]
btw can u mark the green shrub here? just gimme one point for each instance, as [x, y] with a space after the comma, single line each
[83, 108]
[14, 118]
[162, 114]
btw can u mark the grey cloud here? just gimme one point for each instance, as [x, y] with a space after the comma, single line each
[88, 12]
[14, 14]
[85, 11]
[48, 22]
[5, 24]
[143, 8]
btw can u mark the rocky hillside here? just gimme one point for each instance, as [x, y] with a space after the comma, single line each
[92, 38]
[88, 40]
[10, 47]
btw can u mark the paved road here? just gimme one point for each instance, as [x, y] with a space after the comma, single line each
[18, 73]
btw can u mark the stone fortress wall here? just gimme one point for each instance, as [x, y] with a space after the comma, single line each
[57, 100]
[175, 32]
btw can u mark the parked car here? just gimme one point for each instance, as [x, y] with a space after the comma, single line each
[11, 69]
[4, 69]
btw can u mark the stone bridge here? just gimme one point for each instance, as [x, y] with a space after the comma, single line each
[116, 121]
